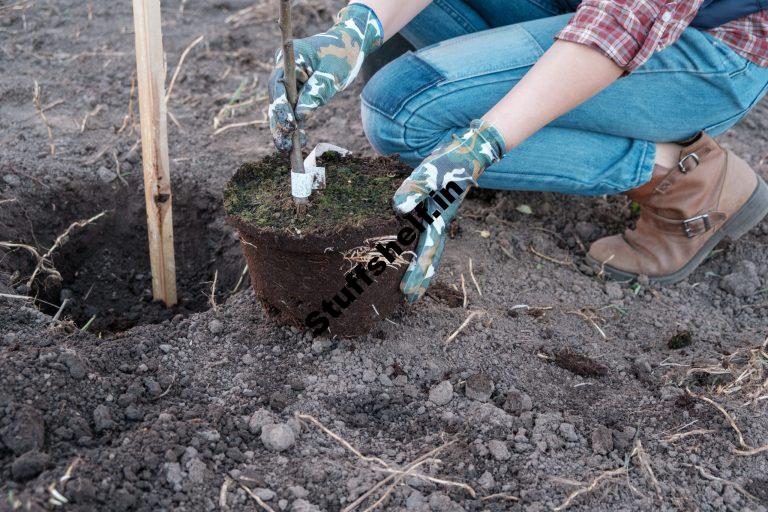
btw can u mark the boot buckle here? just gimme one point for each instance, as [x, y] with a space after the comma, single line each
[689, 230]
[681, 163]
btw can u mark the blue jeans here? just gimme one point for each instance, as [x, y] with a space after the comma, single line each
[472, 52]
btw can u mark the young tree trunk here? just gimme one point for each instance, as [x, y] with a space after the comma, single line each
[289, 65]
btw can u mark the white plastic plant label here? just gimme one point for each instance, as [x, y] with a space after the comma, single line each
[314, 176]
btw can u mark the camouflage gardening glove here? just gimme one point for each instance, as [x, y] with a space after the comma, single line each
[325, 65]
[436, 188]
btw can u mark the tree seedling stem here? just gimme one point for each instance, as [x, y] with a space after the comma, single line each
[289, 66]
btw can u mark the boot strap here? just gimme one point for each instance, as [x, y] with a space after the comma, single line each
[688, 228]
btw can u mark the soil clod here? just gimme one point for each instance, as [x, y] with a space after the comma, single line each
[580, 364]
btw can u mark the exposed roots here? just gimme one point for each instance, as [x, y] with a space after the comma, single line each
[365, 253]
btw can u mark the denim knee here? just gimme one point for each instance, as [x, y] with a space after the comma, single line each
[389, 101]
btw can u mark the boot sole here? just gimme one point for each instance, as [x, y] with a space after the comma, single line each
[746, 218]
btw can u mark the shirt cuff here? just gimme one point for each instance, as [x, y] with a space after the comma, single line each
[612, 30]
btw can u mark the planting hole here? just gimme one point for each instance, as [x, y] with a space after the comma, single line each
[104, 266]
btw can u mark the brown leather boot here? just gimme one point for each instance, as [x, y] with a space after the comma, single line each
[685, 212]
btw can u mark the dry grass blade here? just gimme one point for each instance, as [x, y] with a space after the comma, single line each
[180, 64]
[607, 475]
[683, 435]
[500, 496]
[725, 413]
[212, 298]
[44, 260]
[463, 325]
[566, 262]
[41, 112]
[590, 315]
[223, 493]
[240, 281]
[240, 125]
[736, 487]
[258, 500]
[464, 292]
[645, 463]
[474, 280]
[343, 442]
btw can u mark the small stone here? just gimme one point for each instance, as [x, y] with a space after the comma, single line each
[196, 470]
[414, 501]
[486, 481]
[12, 180]
[215, 326]
[614, 291]
[165, 347]
[278, 437]
[568, 432]
[258, 419]
[210, 436]
[479, 387]
[499, 450]
[298, 491]
[105, 174]
[74, 364]
[29, 465]
[585, 230]
[133, 413]
[517, 402]
[173, 475]
[264, 494]
[133, 157]
[321, 345]
[369, 375]
[442, 393]
[102, 418]
[302, 505]
[26, 432]
[602, 440]
[743, 281]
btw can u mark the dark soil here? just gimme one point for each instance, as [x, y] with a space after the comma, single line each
[357, 191]
[171, 415]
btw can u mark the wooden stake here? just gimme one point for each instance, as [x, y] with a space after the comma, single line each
[150, 65]
[289, 66]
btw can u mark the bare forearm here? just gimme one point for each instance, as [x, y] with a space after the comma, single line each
[564, 77]
[394, 15]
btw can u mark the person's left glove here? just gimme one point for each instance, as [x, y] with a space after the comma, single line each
[325, 65]
[435, 191]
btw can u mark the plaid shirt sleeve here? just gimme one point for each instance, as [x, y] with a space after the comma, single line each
[629, 31]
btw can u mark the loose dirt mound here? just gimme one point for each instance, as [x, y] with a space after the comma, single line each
[186, 411]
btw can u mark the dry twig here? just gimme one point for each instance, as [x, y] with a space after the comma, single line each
[463, 325]
[181, 63]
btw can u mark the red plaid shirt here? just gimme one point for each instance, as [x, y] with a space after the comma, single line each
[630, 31]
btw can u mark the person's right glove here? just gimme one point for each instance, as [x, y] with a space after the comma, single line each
[325, 65]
